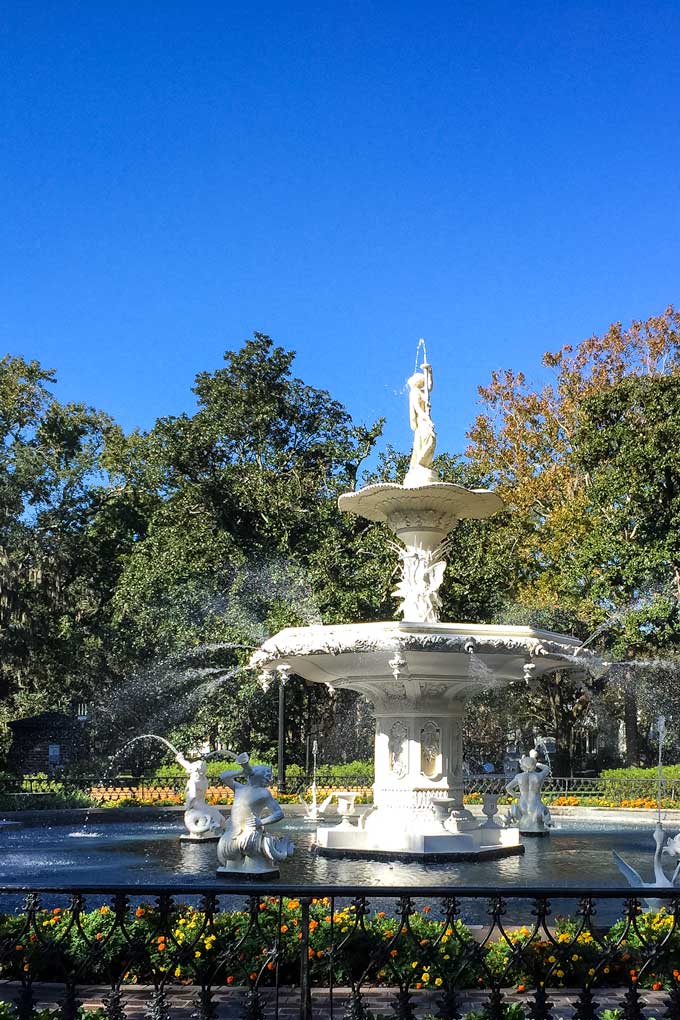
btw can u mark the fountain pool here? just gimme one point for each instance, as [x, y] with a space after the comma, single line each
[138, 853]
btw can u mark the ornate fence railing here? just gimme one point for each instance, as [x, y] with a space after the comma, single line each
[16, 792]
[336, 950]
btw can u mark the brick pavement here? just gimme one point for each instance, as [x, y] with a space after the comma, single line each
[378, 1000]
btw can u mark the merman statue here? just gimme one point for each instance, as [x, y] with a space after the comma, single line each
[245, 847]
[204, 822]
[529, 814]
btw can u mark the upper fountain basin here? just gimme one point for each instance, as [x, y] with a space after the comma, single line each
[434, 506]
[414, 660]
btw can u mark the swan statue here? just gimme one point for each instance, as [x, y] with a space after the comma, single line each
[661, 879]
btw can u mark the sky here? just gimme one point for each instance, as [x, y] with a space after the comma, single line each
[498, 178]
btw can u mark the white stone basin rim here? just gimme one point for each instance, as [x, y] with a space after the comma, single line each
[439, 646]
[444, 502]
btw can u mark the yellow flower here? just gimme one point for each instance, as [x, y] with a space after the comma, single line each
[552, 959]
[438, 982]
[197, 954]
[425, 977]
[446, 956]
[564, 937]
[414, 964]
[178, 971]
[591, 972]
[559, 973]
[575, 957]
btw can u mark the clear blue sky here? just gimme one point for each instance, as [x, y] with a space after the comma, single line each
[500, 178]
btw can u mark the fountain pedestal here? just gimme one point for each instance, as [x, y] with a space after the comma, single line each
[418, 677]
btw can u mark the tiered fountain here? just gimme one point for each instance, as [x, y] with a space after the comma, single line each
[418, 672]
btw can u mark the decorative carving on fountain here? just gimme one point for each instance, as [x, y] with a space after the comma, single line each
[422, 572]
[398, 749]
[430, 749]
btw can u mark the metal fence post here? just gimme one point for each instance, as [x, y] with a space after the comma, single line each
[305, 979]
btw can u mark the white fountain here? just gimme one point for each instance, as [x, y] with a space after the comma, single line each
[418, 672]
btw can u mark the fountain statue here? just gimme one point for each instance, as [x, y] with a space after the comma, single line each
[245, 847]
[661, 880]
[672, 847]
[314, 811]
[417, 671]
[204, 822]
[529, 814]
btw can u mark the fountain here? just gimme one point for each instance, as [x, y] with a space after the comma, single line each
[314, 811]
[204, 822]
[672, 846]
[530, 814]
[245, 847]
[419, 672]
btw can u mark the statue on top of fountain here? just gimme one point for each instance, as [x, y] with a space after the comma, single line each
[204, 821]
[424, 436]
[529, 814]
[245, 846]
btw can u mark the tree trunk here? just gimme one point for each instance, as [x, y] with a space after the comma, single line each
[630, 714]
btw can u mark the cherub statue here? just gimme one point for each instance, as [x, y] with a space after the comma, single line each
[203, 821]
[245, 846]
[530, 814]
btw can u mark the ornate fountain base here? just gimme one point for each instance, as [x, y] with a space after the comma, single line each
[417, 835]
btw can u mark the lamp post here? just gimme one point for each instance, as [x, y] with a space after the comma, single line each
[284, 672]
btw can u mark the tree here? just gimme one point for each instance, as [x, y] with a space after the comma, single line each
[62, 534]
[527, 439]
[246, 536]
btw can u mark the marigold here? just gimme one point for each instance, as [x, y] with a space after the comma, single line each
[99, 935]
[284, 928]
[521, 988]
[657, 986]
[230, 979]
[393, 952]
[140, 911]
[253, 975]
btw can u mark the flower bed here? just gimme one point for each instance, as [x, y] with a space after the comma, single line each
[182, 944]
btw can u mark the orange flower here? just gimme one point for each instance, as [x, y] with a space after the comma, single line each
[310, 954]
[419, 984]
[521, 988]
[57, 910]
[139, 912]
[381, 913]
[161, 947]
[313, 924]
[230, 979]
[105, 910]
[26, 967]
[284, 928]
[19, 947]
[393, 952]
[270, 965]
[657, 986]
[426, 910]
[253, 975]
[99, 935]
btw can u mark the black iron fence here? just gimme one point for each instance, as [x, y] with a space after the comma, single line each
[328, 951]
[16, 792]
